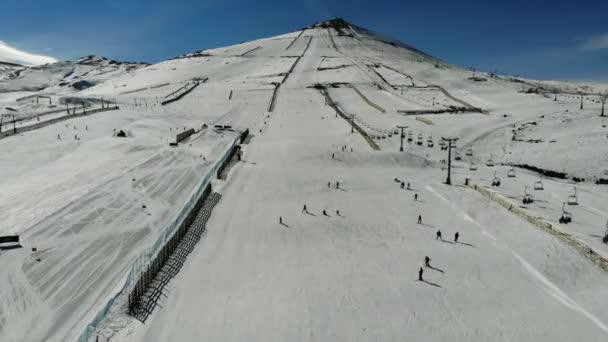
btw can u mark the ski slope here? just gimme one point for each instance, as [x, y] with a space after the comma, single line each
[93, 205]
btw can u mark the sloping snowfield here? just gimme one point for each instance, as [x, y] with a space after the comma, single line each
[91, 202]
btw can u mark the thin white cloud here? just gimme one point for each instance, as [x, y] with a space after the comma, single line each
[11, 55]
[598, 42]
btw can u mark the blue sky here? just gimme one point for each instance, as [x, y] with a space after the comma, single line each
[542, 39]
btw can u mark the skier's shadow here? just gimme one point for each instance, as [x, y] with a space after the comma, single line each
[309, 213]
[466, 244]
[284, 224]
[426, 225]
[432, 284]
[446, 241]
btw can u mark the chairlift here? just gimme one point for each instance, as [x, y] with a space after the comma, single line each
[511, 173]
[528, 198]
[457, 156]
[566, 216]
[490, 162]
[539, 185]
[573, 199]
[472, 167]
[496, 180]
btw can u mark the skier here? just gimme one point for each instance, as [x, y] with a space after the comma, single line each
[337, 212]
[408, 186]
[402, 185]
[58, 137]
[419, 219]
[415, 197]
[333, 155]
[324, 212]
[456, 236]
[420, 271]
[337, 185]
[305, 210]
[280, 220]
[329, 185]
[427, 261]
[438, 236]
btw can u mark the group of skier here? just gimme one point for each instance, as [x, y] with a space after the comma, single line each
[305, 211]
[337, 185]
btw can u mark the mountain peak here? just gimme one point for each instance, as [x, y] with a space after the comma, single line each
[336, 23]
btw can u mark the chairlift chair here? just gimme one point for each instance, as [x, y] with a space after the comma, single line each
[527, 197]
[457, 156]
[490, 162]
[469, 152]
[539, 185]
[472, 167]
[566, 216]
[573, 199]
[511, 173]
[496, 180]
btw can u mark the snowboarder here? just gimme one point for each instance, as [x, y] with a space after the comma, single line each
[305, 210]
[456, 236]
[415, 197]
[438, 236]
[420, 271]
[419, 219]
[427, 261]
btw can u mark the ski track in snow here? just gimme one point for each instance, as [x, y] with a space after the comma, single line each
[545, 283]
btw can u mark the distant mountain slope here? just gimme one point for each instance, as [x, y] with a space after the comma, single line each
[70, 75]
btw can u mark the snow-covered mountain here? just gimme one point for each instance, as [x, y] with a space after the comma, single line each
[55, 77]
[324, 106]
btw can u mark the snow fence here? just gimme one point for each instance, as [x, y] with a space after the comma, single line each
[45, 123]
[539, 222]
[144, 261]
